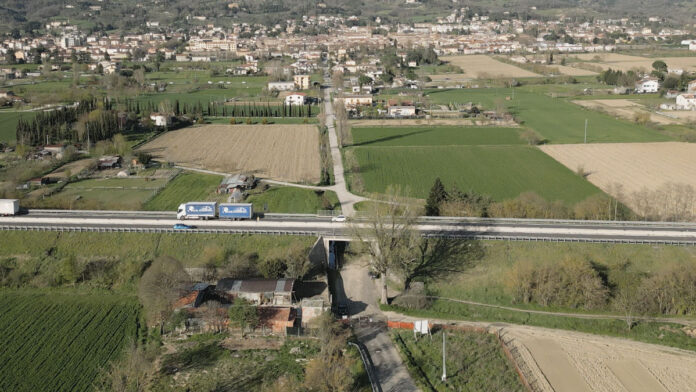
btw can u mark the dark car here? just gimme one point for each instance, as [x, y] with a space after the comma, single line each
[342, 310]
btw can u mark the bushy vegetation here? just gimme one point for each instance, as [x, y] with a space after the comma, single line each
[59, 341]
[620, 279]
[475, 361]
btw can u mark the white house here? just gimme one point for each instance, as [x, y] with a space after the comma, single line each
[648, 85]
[686, 102]
[402, 111]
[281, 86]
[160, 119]
[691, 86]
[301, 81]
[295, 99]
[351, 101]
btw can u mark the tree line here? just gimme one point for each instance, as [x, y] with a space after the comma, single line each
[88, 120]
[249, 109]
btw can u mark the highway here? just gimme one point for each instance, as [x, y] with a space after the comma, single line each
[297, 224]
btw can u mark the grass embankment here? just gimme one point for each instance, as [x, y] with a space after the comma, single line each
[556, 119]
[475, 362]
[294, 200]
[487, 282]
[115, 260]
[183, 188]
[60, 340]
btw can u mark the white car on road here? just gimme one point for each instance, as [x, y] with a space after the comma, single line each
[339, 218]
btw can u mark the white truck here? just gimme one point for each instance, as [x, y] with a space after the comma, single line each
[9, 207]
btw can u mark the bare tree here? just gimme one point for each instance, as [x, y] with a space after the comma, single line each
[386, 236]
[433, 258]
[130, 374]
[162, 284]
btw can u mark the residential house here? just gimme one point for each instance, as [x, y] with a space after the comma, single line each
[686, 102]
[353, 100]
[301, 81]
[647, 85]
[278, 292]
[295, 99]
[691, 87]
[281, 86]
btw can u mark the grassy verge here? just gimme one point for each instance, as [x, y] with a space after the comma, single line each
[293, 200]
[184, 188]
[650, 332]
[259, 120]
[472, 359]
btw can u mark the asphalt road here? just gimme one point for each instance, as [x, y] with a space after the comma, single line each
[510, 229]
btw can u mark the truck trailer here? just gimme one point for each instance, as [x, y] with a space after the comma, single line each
[235, 211]
[197, 210]
[211, 210]
[9, 207]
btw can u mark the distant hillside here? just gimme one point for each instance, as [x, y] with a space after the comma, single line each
[132, 14]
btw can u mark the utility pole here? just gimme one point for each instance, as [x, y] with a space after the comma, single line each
[444, 366]
[585, 131]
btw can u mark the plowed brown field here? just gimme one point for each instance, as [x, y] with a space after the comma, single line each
[282, 152]
[633, 166]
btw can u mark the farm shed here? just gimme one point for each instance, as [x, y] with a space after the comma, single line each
[402, 111]
[311, 308]
[277, 319]
[195, 296]
[109, 162]
[259, 291]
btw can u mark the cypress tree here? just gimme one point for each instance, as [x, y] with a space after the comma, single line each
[437, 195]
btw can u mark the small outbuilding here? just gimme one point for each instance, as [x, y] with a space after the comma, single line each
[278, 292]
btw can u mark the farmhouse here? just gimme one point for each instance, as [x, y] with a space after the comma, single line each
[238, 181]
[161, 119]
[109, 162]
[195, 296]
[402, 111]
[260, 291]
[647, 85]
[686, 102]
[281, 86]
[353, 100]
[295, 99]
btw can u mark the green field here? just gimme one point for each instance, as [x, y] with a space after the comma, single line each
[434, 136]
[475, 362]
[186, 187]
[8, 124]
[556, 119]
[294, 200]
[60, 341]
[108, 194]
[499, 171]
